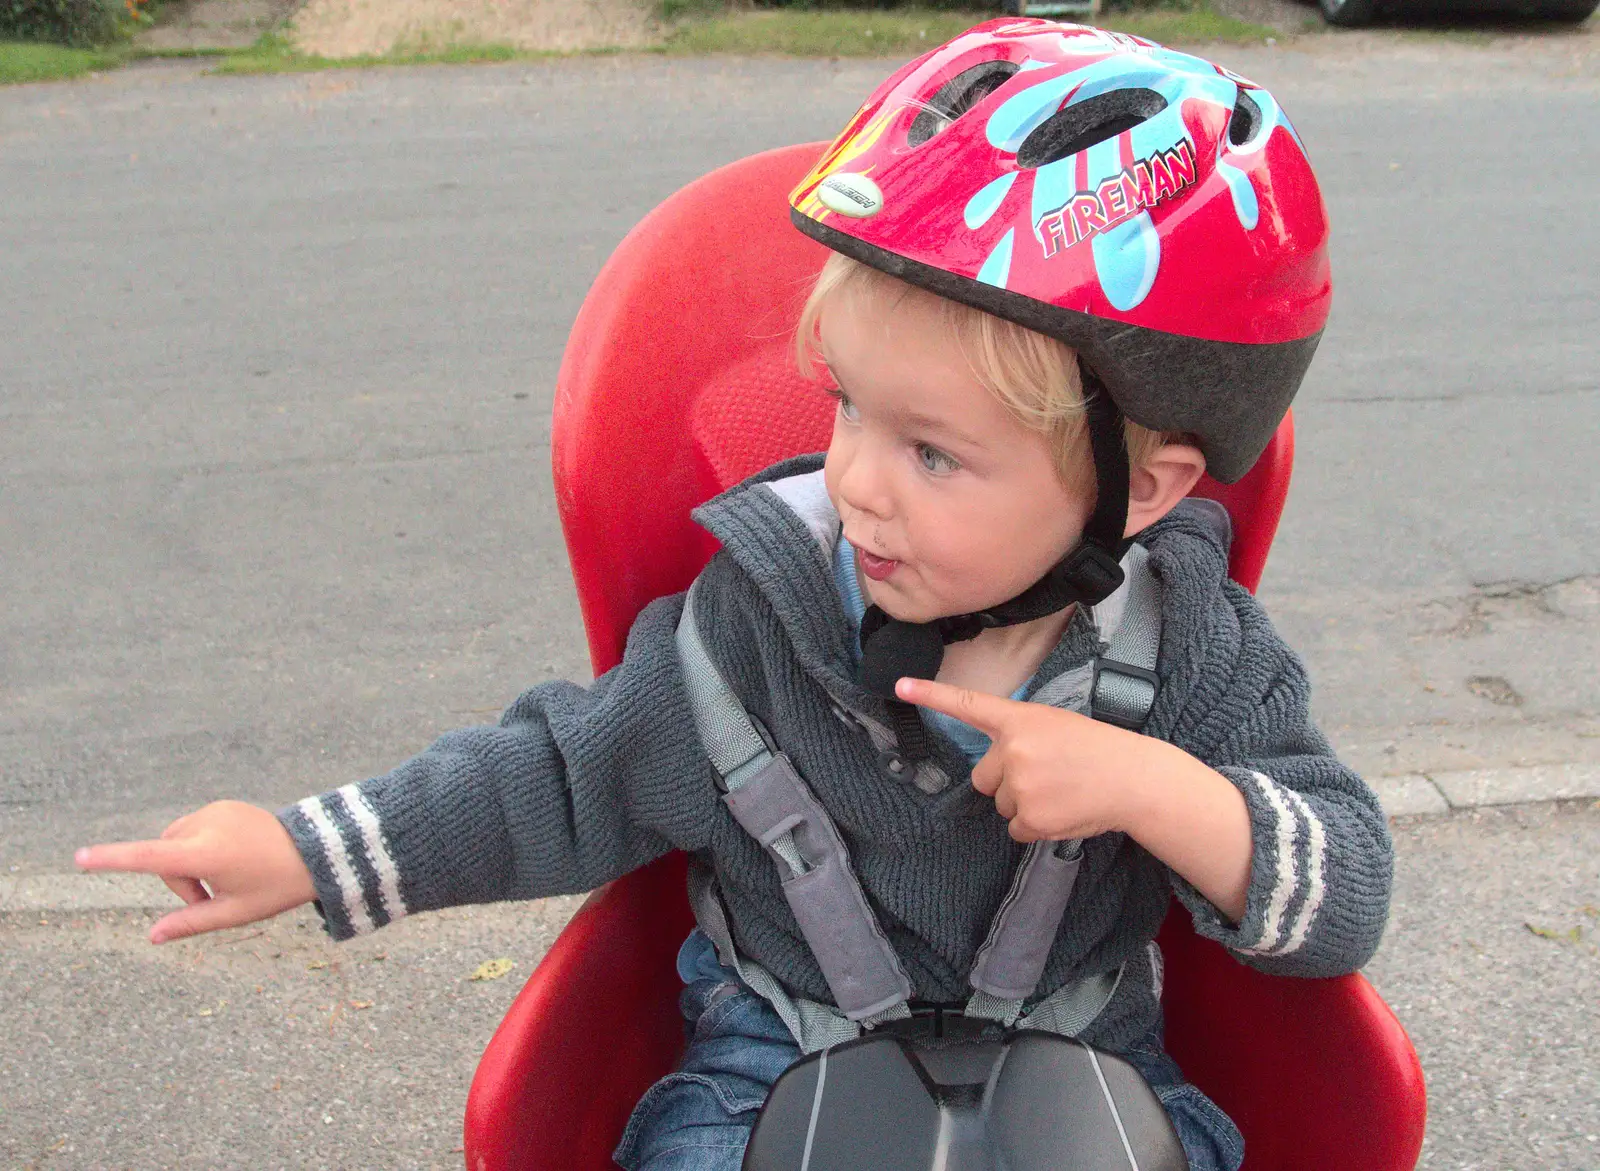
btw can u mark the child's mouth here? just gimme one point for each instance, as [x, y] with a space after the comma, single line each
[877, 568]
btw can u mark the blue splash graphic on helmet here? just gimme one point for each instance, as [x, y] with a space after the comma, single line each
[984, 204]
[1053, 184]
[997, 269]
[1245, 204]
[1127, 254]
[1126, 258]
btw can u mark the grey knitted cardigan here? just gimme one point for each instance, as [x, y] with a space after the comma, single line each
[579, 785]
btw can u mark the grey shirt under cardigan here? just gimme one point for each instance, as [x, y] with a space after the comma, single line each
[579, 785]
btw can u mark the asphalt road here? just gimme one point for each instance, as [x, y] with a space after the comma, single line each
[276, 358]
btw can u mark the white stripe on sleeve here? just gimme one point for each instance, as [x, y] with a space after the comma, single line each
[366, 819]
[344, 876]
[1285, 834]
[1318, 848]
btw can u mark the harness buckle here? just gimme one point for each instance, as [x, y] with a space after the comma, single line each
[1100, 711]
[940, 1023]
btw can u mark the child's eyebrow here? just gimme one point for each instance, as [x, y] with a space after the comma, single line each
[940, 428]
[917, 421]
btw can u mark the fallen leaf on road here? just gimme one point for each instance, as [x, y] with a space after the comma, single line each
[315, 964]
[1572, 936]
[361, 1004]
[491, 969]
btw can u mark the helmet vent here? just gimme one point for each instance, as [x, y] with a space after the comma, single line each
[1079, 126]
[1246, 120]
[958, 95]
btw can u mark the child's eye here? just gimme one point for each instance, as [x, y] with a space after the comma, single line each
[936, 461]
[848, 410]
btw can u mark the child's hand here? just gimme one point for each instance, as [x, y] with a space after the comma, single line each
[1056, 774]
[241, 852]
[1053, 774]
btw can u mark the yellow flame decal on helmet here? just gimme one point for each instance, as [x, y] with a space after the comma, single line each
[854, 142]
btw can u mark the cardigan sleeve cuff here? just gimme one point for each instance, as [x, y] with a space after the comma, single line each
[1288, 848]
[344, 846]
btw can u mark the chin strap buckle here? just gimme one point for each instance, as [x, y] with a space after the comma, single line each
[1090, 572]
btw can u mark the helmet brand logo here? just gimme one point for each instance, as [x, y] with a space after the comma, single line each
[1151, 181]
[850, 194]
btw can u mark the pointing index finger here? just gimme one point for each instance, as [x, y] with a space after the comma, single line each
[150, 857]
[987, 713]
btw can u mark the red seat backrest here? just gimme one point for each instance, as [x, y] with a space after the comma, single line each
[678, 383]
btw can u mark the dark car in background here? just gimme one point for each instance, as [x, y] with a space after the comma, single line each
[1357, 12]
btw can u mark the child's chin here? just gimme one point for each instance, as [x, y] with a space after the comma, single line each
[894, 607]
[899, 605]
[904, 609]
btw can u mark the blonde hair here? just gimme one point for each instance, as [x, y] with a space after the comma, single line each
[1036, 377]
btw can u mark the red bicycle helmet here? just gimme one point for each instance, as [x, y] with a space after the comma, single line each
[1149, 208]
[1152, 210]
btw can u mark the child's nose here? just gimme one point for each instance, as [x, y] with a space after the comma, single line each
[864, 485]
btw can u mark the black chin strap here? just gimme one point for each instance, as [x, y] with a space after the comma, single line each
[891, 649]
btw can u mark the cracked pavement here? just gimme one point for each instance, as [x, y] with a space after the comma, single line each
[276, 358]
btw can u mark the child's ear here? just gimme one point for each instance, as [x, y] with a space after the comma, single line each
[1156, 486]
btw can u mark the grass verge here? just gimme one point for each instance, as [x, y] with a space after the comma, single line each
[786, 32]
[1186, 24]
[819, 33]
[20, 62]
[274, 54]
[905, 31]
[27, 61]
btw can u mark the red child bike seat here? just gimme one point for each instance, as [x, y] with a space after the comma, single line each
[677, 383]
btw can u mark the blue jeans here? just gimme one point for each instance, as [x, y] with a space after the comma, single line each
[699, 1118]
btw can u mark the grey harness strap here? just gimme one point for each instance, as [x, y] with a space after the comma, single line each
[1012, 959]
[767, 797]
[1124, 678]
[771, 801]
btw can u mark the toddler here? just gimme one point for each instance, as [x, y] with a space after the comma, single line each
[1072, 273]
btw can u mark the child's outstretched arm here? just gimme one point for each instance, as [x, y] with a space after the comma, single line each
[574, 787]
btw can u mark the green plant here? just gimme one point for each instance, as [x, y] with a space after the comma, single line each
[65, 22]
[677, 9]
[36, 61]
